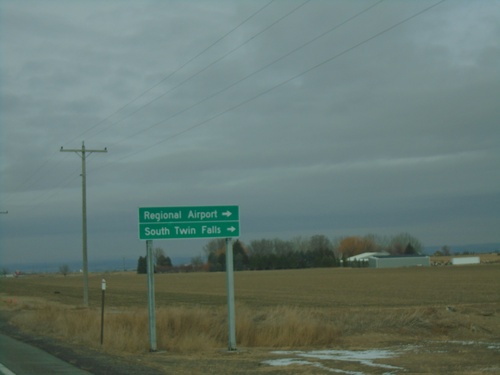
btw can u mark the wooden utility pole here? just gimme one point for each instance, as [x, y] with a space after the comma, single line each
[83, 153]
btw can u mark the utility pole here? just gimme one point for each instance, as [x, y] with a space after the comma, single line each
[83, 153]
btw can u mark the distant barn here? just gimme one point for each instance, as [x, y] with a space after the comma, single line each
[365, 256]
[394, 261]
[466, 260]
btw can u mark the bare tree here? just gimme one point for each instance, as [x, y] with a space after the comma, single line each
[197, 262]
[446, 250]
[64, 269]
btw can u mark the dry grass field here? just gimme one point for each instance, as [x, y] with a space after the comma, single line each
[419, 320]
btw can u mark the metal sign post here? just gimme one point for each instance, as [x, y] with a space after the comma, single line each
[230, 296]
[151, 296]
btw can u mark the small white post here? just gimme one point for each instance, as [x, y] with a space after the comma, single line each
[103, 288]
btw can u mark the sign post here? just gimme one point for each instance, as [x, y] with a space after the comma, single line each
[185, 223]
[151, 296]
[230, 296]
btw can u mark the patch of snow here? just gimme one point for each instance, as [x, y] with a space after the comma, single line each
[287, 362]
[328, 360]
[294, 361]
[489, 345]
[364, 357]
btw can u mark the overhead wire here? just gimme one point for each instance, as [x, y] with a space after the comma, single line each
[203, 69]
[209, 65]
[168, 77]
[31, 178]
[284, 82]
[48, 195]
[251, 74]
[264, 92]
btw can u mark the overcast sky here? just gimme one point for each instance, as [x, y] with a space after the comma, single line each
[318, 117]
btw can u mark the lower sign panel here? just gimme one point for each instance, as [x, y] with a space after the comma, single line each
[225, 229]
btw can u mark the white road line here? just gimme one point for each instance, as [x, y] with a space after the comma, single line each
[5, 371]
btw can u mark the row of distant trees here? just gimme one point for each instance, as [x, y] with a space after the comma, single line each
[300, 252]
[400, 244]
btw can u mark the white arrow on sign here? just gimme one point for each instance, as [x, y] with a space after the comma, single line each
[227, 213]
[231, 229]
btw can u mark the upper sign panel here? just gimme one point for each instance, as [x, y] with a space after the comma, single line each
[188, 222]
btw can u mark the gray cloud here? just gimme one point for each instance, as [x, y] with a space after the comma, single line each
[309, 127]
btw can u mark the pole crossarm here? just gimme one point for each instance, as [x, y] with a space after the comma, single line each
[82, 150]
[83, 154]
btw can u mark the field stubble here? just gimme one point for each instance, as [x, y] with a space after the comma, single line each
[313, 308]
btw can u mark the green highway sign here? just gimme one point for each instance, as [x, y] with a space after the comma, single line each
[188, 222]
[188, 230]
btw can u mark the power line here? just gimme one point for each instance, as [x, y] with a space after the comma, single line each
[46, 163]
[207, 66]
[253, 73]
[165, 79]
[31, 178]
[48, 197]
[262, 68]
[244, 102]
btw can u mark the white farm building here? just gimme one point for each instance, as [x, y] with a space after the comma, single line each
[466, 260]
[393, 261]
[365, 256]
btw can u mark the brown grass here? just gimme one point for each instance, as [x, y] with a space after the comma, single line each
[180, 328]
[426, 308]
[301, 308]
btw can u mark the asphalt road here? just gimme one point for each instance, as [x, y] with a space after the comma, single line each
[19, 354]
[18, 358]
